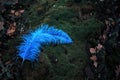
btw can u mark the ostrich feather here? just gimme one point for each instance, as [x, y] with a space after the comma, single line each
[30, 48]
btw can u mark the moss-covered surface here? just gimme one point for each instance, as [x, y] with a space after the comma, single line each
[60, 62]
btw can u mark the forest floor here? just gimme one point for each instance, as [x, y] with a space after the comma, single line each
[61, 62]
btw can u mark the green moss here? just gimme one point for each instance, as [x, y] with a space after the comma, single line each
[70, 58]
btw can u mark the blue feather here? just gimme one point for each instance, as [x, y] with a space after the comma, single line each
[31, 47]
